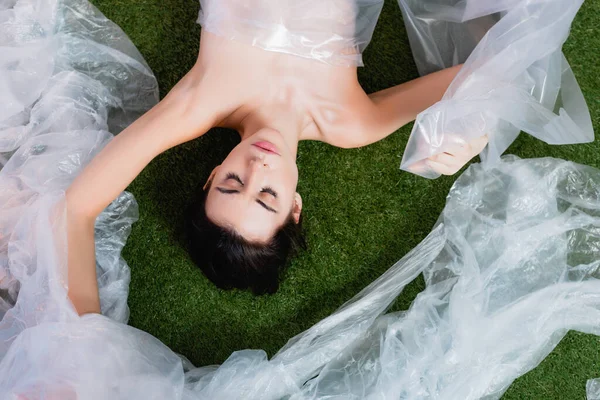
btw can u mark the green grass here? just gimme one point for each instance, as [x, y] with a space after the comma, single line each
[362, 215]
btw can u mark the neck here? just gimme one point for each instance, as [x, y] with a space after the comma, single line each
[289, 127]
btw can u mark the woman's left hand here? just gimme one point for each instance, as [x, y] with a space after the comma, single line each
[452, 160]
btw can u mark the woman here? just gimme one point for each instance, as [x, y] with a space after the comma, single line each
[276, 76]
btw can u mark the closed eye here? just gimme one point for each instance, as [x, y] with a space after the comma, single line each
[227, 191]
[269, 191]
[259, 201]
[266, 207]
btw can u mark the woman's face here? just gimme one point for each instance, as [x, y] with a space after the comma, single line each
[254, 190]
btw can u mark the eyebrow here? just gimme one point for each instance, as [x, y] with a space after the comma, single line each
[235, 177]
[235, 191]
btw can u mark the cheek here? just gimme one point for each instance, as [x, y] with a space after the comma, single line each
[215, 205]
[288, 179]
[294, 176]
[209, 205]
[287, 188]
[291, 172]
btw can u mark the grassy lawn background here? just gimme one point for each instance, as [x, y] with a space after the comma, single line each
[361, 212]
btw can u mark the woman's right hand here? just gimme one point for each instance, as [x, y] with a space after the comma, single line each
[453, 159]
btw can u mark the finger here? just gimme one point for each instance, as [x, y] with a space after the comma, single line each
[448, 160]
[442, 168]
[419, 167]
[459, 151]
[470, 149]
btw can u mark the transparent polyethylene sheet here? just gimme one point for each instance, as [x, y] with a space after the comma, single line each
[514, 79]
[334, 31]
[510, 267]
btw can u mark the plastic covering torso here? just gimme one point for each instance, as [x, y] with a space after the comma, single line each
[332, 31]
[511, 265]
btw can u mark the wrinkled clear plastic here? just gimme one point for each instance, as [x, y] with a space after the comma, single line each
[515, 79]
[68, 76]
[592, 389]
[333, 31]
[512, 264]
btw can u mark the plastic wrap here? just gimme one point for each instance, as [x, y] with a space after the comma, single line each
[67, 77]
[516, 79]
[511, 266]
[333, 31]
[593, 389]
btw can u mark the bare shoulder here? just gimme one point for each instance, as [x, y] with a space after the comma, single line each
[228, 74]
[342, 118]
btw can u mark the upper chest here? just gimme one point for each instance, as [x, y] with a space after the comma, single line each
[254, 77]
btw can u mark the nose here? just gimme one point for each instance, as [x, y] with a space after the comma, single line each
[258, 166]
[259, 162]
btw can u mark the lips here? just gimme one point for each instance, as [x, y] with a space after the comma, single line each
[267, 147]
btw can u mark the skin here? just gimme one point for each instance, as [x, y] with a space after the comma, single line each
[282, 99]
[273, 100]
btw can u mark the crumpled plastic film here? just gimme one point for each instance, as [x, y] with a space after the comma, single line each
[333, 31]
[519, 268]
[592, 389]
[516, 78]
[512, 264]
[67, 76]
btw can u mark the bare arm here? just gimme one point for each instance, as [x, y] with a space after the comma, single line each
[384, 112]
[412, 98]
[113, 169]
[178, 118]
[83, 283]
[401, 104]
[107, 175]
